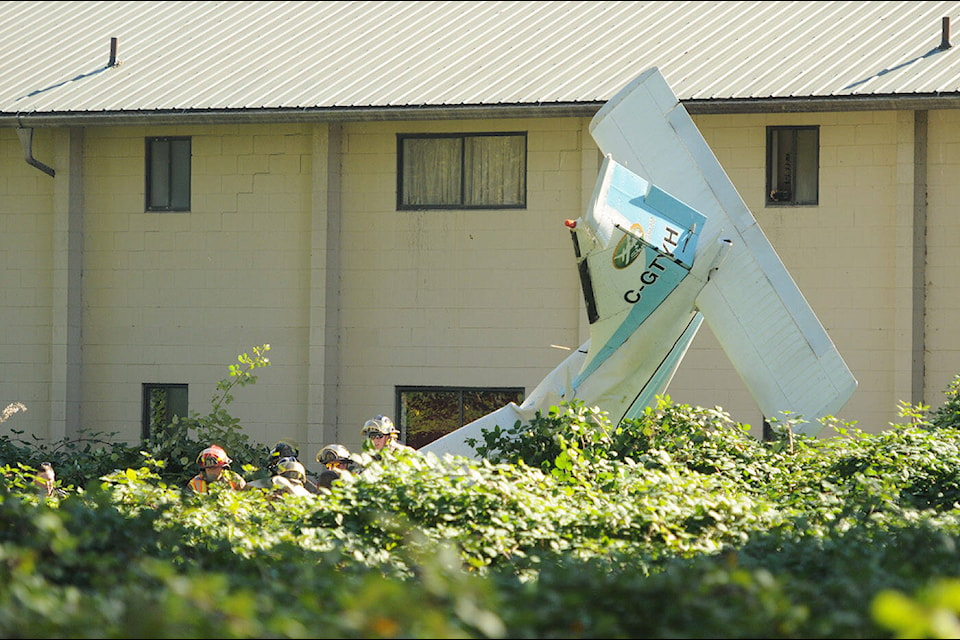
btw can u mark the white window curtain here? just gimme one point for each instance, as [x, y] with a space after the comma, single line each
[431, 171]
[495, 170]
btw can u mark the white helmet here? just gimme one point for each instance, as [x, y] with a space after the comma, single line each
[293, 469]
[380, 425]
[333, 453]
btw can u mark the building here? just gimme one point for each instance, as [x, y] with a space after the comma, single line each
[183, 181]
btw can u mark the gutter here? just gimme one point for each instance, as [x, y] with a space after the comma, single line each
[308, 115]
[887, 102]
[890, 102]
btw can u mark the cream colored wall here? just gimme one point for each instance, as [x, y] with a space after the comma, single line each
[850, 257]
[459, 298]
[176, 297]
[26, 284]
[846, 255]
[455, 298]
[943, 255]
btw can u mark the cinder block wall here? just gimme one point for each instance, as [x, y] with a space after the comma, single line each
[458, 298]
[454, 298]
[175, 297]
[849, 256]
[426, 298]
[26, 283]
[943, 254]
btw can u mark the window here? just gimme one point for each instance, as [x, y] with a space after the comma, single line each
[161, 402]
[168, 174]
[462, 171]
[793, 165]
[427, 413]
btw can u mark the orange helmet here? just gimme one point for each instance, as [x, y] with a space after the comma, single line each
[213, 456]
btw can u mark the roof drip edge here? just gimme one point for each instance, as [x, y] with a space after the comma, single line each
[582, 110]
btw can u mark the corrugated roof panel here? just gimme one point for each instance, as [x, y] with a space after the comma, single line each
[861, 44]
[303, 55]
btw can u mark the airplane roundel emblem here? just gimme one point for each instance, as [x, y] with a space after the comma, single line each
[628, 248]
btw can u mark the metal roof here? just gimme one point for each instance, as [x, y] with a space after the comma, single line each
[370, 59]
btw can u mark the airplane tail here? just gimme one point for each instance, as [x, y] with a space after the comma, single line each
[635, 248]
[764, 324]
[649, 248]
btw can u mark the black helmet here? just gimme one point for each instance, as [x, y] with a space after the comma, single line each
[283, 449]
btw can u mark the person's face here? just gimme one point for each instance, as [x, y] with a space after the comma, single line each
[379, 440]
[213, 473]
[46, 472]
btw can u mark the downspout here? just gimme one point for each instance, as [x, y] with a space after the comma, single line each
[26, 141]
[26, 133]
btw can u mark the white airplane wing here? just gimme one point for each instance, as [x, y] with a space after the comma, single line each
[758, 314]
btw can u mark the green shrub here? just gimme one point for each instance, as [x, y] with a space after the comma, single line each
[676, 524]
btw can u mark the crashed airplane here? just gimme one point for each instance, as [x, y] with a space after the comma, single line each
[666, 243]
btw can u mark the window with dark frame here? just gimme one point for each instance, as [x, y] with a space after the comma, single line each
[168, 174]
[462, 171]
[161, 403]
[793, 165]
[427, 413]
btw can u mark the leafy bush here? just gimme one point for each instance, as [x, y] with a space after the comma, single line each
[174, 447]
[948, 415]
[676, 524]
[179, 442]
